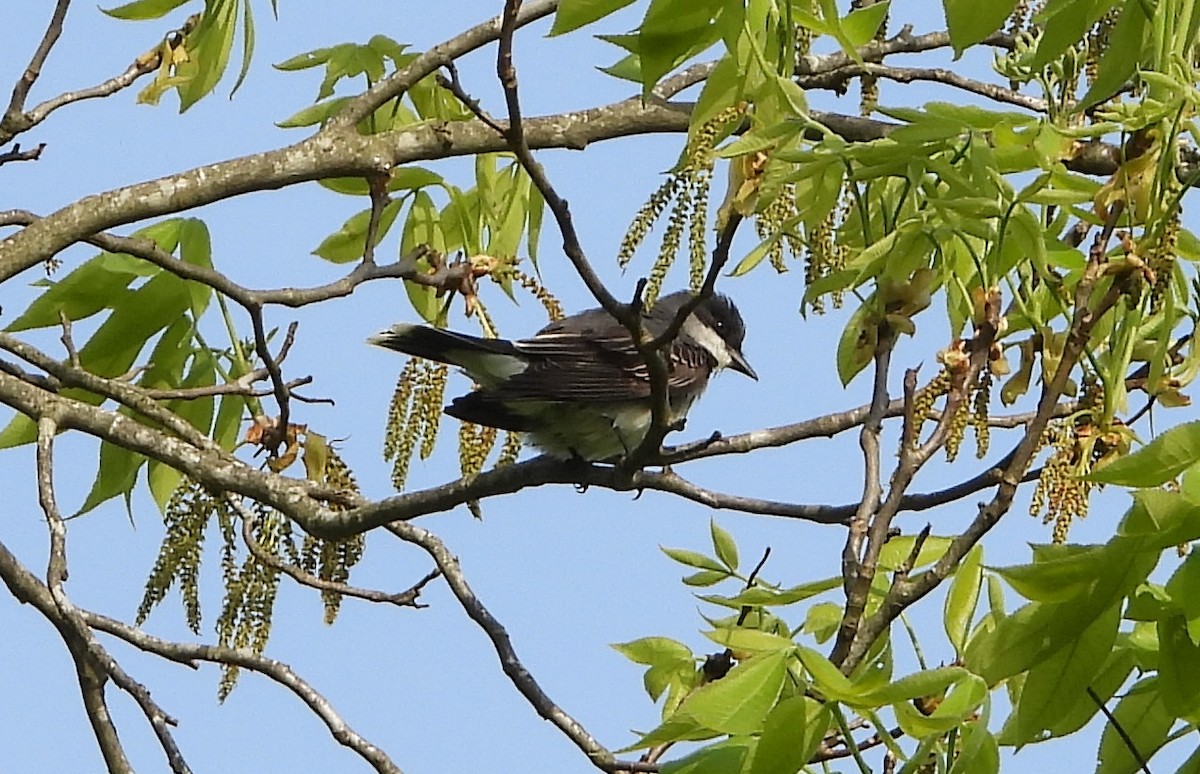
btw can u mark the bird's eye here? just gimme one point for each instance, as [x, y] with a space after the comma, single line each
[720, 325]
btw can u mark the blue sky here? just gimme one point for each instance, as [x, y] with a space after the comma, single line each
[566, 573]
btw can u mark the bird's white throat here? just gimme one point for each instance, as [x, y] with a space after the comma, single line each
[708, 338]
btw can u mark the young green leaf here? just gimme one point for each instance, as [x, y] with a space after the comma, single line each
[141, 10]
[694, 559]
[777, 751]
[1157, 462]
[738, 702]
[573, 14]
[654, 650]
[962, 599]
[724, 546]
[1145, 721]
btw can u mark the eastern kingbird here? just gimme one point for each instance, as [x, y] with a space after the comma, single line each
[579, 388]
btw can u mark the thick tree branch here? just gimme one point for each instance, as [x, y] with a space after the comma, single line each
[857, 571]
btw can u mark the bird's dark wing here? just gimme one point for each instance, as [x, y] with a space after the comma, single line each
[597, 366]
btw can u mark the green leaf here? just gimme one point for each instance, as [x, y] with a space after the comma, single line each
[1068, 574]
[724, 546]
[1160, 519]
[117, 475]
[672, 32]
[226, 427]
[247, 46]
[533, 232]
[1059, 682]
[827, 679]
[706, 578]
[1144, 718]
[960, 704]
[788, 721]
[719, 758]
[738, 703]
[654, 650]
[978, 751]
[79, 295]
[742, 640]
[208, 48]
[970, 21]
[856, 347]
[1178, 658]
[757, 255]
[195, 247]
[1157, 462]
[1121, 56]
[314, 114]
[314, 58]
[677, 728]
[136, 317]
[162, 480]
[1064, 23]
[661, 677]
[861, 24]
[349, 242]
[762, 596]
[573, 14]
[140, 10]
[928, 682]
[1038, 630]
[694, 559]
[963, 598]
[722, 88]
[1105, 683]
[822, 620]
[1184, 588]
[897, 551]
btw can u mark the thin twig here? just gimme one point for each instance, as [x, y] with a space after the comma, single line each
[837, 79]
[16, 154]
[455, 86]
[509, 661]
[1121, 732]
[278, 431]
[377, 185]
[16, 121]
[407, 598]
[515, 137]
[16, 105]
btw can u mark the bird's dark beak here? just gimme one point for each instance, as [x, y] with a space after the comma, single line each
[738, 362]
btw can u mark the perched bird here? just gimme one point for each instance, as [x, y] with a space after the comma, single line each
[579, 388]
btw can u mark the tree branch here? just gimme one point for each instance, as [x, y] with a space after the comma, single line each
[16, 105]
[16, 121]
[837, 79]
[509, 661]
[16, 154]
[407, 598]
[93, 664]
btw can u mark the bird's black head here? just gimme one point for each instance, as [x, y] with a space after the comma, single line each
[719, 313]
